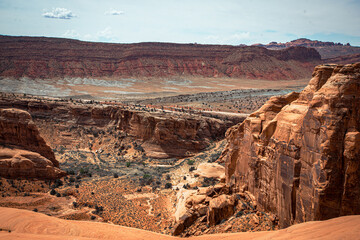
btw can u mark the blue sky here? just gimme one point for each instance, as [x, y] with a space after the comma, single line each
[184, 21]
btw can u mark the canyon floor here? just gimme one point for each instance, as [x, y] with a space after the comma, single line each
[133, 194]
[135, 88]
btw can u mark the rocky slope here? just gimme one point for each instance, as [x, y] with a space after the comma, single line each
[299, 154]
[23, 152]
[22, 224]
[46, 58]
[326, 49]
[95, 126]
[346, 59]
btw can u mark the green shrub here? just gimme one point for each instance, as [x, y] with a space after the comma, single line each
[146, 176]
[61, 150]
[190, 162]
[84, 171]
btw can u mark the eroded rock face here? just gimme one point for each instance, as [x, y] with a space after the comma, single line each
[162, 135]
[53, 58]
[170, 136]
[327, 50]
[19, 163]
[299, 154]
[213, 204]
[221, 207]
[23, 152]
[17, 128]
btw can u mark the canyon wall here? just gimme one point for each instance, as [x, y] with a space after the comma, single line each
[168, 135]
[46, 58]
[23, 152]
[162, 134]
[300, 153]
[327, 50]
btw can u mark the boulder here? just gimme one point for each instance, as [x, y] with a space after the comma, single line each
[186, 220]
[210, 170]
[221, 207]
[195, 200]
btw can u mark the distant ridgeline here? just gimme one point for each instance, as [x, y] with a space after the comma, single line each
[330, 52]
[47, 58]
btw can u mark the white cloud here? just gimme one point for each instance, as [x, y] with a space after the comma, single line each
[228, 39]
[88, 37]
[240, 36]
[71, 34]
[60, 13]
[106, 35]
[114, 12]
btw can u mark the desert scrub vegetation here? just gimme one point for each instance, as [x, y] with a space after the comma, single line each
[146, 179]
[168, 185]
[190, 162]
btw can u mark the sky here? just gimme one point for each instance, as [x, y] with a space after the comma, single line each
[231, 22]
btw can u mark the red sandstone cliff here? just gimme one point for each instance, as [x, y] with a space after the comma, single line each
[162, 135]
[37, 57]
[23, 152]
[300, 153]
[166, 136]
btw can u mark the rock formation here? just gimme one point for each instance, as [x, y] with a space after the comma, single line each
[162, 135]
[212, 203]
[48, 58]
[299, 154]
[221, 207]
[327, 50]
[217, 206]
[23, 152]
[345, 59]
[166, 136]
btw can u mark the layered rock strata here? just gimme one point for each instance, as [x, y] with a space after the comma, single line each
[299, 154]
[161, 134]
[23, 152]
[166, 136]
[54, 58]
[327, 50]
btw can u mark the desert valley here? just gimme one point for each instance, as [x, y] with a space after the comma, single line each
[162, 140]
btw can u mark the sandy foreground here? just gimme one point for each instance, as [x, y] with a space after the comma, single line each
[30, 225]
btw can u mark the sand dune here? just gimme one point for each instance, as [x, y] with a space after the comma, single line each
[30, 225]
